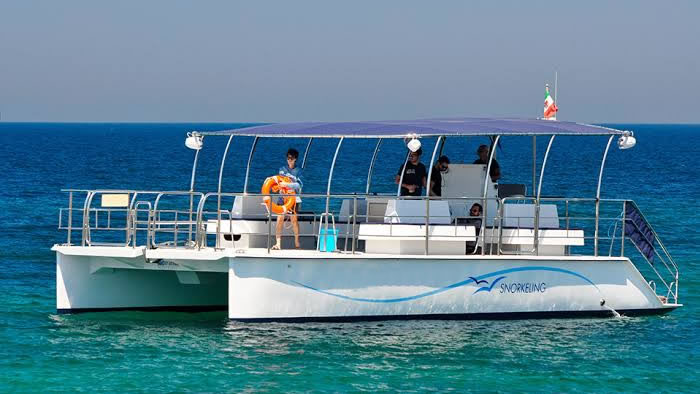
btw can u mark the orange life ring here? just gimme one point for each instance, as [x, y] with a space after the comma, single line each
[272, 185]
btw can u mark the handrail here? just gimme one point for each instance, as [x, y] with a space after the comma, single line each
[493, 235]
[576, 210]
[204, 198]
[672, 288]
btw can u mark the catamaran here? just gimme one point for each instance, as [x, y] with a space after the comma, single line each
[366, 255]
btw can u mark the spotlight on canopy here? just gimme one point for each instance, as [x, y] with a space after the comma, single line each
[194, 140]
[626, 141]
[414, 144]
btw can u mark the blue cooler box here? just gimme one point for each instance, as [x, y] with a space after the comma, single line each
[327, 239]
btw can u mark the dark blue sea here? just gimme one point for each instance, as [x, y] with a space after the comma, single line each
[43, 351]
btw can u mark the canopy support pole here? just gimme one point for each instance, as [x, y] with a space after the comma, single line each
[432, 162]
[306, 153]
[427, 193]
[218, 192]
[194, 171]
[597, 195]
[442, 145]
[403, 170]
[484, 201]
[371, 165]
[328, 193]
[247, 168]
[330, 176]
[536, 219]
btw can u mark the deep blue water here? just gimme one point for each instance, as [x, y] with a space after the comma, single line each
[40, 350]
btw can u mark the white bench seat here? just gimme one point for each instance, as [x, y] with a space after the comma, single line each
[550, 237]
[411, 232]
[410, 238]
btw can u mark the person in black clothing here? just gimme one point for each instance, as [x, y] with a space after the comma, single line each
[442, 165]
[475, 214]
[413, 177]
[483, 153]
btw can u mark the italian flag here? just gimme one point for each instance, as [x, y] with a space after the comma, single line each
[550, 109]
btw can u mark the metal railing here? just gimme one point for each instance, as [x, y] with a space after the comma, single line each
[183, 219]
[670, 277]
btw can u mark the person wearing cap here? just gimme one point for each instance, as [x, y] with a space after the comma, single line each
[440, 167]
[483, 153]
[414, 175]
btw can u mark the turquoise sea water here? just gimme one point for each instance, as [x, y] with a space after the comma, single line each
[41, 351]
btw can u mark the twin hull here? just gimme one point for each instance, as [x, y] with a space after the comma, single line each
[338, 287]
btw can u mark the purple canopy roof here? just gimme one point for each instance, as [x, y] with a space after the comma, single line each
[421, 128]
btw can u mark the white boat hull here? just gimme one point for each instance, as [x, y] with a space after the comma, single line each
[89, 280]
[297, 289]
[315, 286]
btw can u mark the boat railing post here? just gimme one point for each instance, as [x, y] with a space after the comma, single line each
[151, 226]
[82, 233]
[134, 223]
[597, 216]
[230, 227]
[536, 220]
[534, 164]
[354, 221]
[174, 230]
[130, 233]
[86, 219]
[624, 221]
[427, 222]
[567, 248]
[131, 218]
[269, 224]
[500, 224]
[675, 295]
[189, 221]
[70, 215]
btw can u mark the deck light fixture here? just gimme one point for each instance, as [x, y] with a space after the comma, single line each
[414, 144]
[626, 141]
[194, 140]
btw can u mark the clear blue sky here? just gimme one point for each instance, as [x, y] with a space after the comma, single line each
[621, 61]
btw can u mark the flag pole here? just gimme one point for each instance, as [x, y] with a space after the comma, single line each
[556, 78]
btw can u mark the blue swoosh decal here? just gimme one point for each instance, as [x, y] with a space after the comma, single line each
[489, 288]
[449, 287]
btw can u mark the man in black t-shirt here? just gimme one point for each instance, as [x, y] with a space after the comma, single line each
[483, 153]
[436, 176]
[414, 176]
